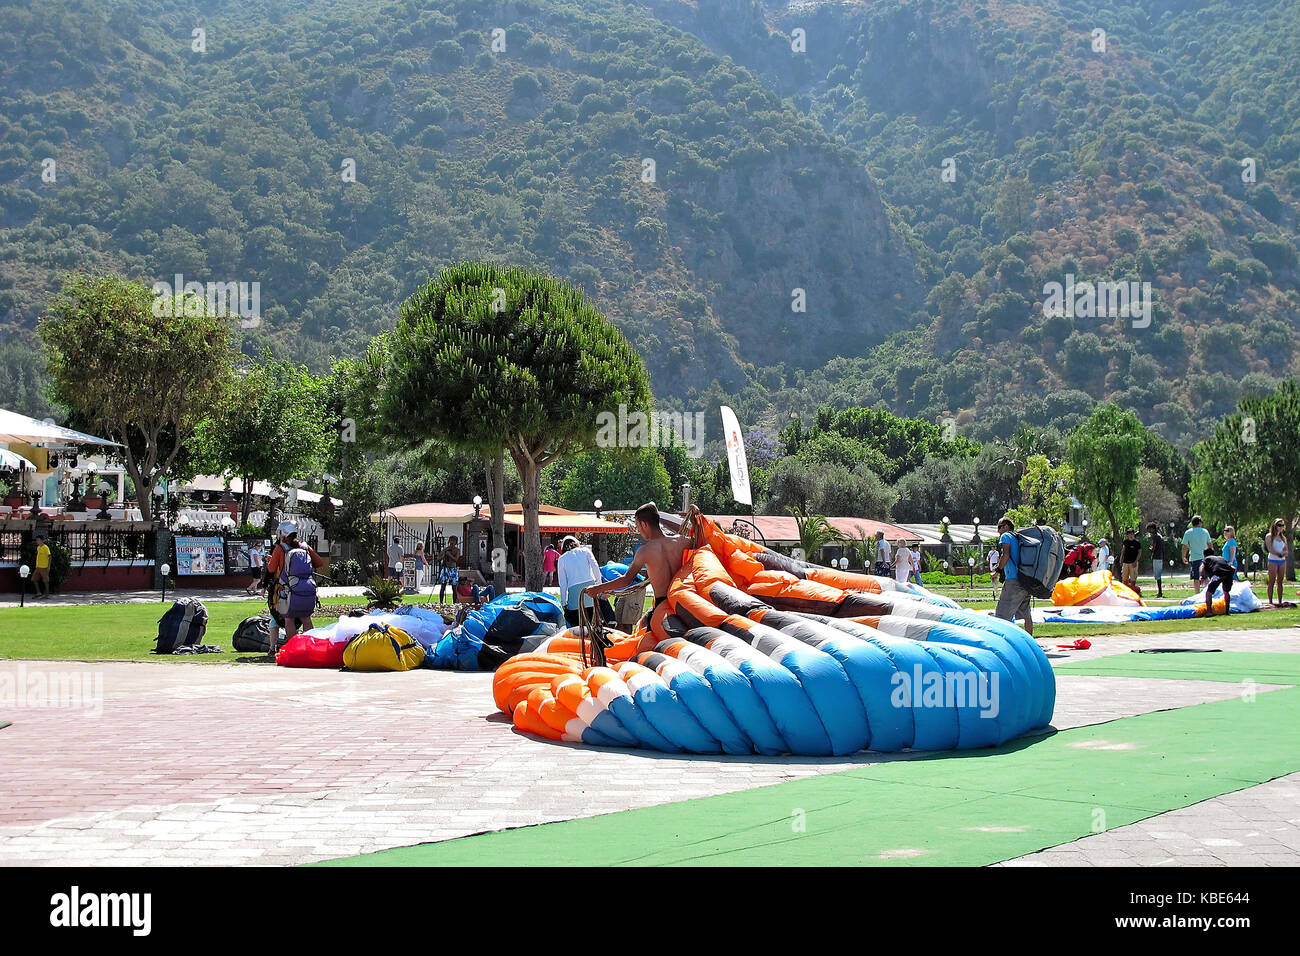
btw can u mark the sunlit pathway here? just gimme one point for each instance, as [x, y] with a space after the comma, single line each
[219, 764]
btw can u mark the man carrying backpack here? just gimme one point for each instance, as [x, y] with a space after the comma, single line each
[292, 591]
[1014, 602]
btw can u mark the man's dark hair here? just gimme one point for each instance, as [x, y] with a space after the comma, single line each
[649, 513]
[1151, 526]
[1196, 521]
[40, 537]
[396, 539]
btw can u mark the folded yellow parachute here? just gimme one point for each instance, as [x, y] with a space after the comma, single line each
[1095, 588]
[383, 647]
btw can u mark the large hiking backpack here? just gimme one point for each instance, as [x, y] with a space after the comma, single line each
[253, 634]
[297, 594]
[1042, 556]
[183, 625]
[383, 647]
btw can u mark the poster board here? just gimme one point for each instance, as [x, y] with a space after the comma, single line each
[200, 555]
[238, 558]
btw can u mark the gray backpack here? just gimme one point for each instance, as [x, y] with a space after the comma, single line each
[1042, 556]
[253, 635]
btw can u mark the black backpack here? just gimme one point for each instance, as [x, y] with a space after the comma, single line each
[253, 634]
[183, 625]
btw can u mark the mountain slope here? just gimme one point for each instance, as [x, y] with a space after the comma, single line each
[1121, 163]
[228, 165]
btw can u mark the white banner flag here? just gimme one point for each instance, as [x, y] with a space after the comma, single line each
[736, 458]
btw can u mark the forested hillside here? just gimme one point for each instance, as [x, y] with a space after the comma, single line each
[798, 158]
[1123, 163]
[229, 165]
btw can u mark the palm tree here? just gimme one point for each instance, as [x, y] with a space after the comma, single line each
[815, 532]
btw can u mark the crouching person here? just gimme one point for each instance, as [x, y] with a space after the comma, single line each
[1216, 571]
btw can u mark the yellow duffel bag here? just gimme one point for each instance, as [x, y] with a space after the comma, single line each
[383, 648]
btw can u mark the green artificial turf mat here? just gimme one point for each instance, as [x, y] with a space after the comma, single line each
[1231, 666]
[956, 808]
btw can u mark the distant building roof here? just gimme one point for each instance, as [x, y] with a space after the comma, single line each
[932, 534]
[261, 489]
[552, 520]
[784, 529]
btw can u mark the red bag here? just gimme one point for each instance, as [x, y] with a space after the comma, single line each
[302, 650]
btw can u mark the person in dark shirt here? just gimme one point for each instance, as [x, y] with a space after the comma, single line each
[1128, 556]
[1157, 544]
[1216, 571]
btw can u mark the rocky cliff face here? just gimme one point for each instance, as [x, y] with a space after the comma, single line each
[796, 222]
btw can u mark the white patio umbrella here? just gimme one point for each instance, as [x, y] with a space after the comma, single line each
[11, 459]
[15, 427]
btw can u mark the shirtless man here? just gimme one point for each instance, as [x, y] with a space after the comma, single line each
[660, 557]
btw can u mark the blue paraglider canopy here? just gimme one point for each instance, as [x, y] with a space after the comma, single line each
[497, 631]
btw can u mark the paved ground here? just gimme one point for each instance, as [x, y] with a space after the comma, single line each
[1258, 826]
[253, 763]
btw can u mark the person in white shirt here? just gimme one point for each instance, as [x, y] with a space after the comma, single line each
[993, 569]
[255, 561]
[902, 561]
[577, 569]
[916, 565]
[1103, 555]
[883, 562]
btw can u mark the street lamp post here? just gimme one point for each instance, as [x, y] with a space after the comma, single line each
[478, 506]
[976, 536]
[599, 504]
[23, 572]
[166, 569]
[399, 567]
[970, 562]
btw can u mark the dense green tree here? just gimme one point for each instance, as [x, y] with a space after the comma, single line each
[1044, 493]
[273, 425]
[1104, 453]
[621, 482]
[493, 359]
[128, 374]
[1249, 468]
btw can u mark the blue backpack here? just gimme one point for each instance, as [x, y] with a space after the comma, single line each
[297, 597]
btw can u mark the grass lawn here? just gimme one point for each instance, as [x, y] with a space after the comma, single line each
[126, 631]
[111, 631]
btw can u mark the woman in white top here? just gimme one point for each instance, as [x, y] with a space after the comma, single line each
[576, 569]
[1103, 555]
[1275, 549]
[902, 561]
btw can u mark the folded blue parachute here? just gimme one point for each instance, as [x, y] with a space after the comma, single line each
[613, 570]
[495, 632]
